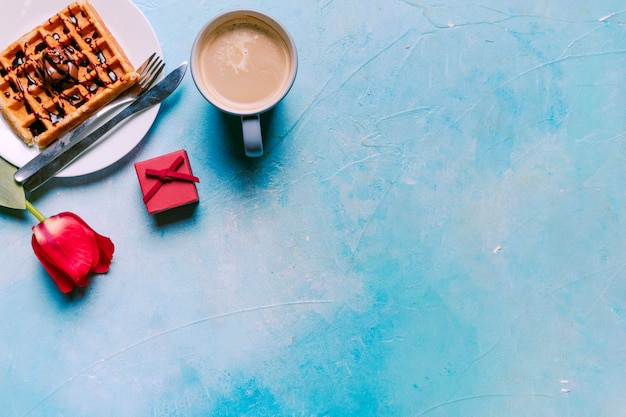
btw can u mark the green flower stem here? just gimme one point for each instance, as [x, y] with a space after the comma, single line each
[34, 211]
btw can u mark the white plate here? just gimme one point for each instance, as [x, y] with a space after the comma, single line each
[136, 36]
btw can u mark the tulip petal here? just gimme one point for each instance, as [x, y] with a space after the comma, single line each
[63, 281]
[105, 247]
[67, 245]
[83, 282]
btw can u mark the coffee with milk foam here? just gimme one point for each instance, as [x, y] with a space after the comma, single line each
[245, 63]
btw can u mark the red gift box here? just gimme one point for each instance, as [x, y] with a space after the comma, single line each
[167, 182]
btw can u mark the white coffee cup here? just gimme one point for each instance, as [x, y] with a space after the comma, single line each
[244, 62]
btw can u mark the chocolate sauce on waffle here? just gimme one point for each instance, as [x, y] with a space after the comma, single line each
[67, 62]
[57, 70]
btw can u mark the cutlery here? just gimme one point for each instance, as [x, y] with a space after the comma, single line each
[149, 71]
[69, 153]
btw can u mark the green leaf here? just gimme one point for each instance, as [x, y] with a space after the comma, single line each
[11, 193]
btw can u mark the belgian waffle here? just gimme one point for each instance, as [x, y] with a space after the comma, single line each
[60, 73]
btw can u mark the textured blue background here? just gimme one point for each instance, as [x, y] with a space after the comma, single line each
[436, 229]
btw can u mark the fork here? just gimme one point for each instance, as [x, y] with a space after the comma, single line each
[149, 72]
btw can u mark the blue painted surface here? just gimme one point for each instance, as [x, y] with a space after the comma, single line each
[436, 229]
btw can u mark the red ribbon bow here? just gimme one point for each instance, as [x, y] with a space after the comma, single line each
[167, 175]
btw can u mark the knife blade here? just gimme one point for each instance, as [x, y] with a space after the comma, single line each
[61, 156]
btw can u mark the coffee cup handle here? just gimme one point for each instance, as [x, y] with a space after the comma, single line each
[252, 139]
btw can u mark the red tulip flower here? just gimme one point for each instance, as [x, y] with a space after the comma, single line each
[67, 247]
[70, 250]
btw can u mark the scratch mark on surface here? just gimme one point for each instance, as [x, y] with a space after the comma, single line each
[316, 100]
[617, 137]
[500, 17]
[537, 68]
[578, 39]
[579, 280]
[342, 169]
[372, 59]
[408, 112]
[368, 141]
[370, 216]
[393, 339]
[606, 288]
[449, 25]
[611, 15]
[537, 213]
[562, 121]
[482, 355]
[411, 48]
[410, 309]
[326, 4]
[539, 144]
[530, 151]
[319, 97]
[470, 364]
[172, 330]
[341, 42]
[480, 397]
[607, 17]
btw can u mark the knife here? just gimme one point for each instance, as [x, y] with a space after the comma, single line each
[45, 165]
[51, 150]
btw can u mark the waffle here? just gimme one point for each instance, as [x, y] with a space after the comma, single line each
[57, 75]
